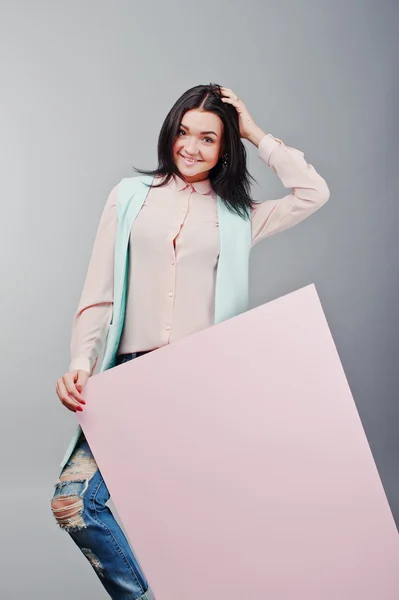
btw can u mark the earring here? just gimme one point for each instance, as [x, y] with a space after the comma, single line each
[224, 160]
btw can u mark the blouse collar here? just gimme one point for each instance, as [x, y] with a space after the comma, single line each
[202, 187]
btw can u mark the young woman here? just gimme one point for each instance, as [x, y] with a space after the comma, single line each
[198, 195]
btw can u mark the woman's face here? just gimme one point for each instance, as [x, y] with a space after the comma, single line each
[198, 145]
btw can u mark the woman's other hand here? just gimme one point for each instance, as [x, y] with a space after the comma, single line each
[69, 388]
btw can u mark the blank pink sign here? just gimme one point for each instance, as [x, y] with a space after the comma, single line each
[239, 466]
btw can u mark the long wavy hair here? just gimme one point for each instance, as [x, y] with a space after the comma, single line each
[232, 182]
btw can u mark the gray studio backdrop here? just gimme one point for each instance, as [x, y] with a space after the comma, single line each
[85, 86]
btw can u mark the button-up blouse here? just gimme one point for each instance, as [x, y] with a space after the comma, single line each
[174, 250]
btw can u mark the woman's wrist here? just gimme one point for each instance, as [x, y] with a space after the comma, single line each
[255, 135]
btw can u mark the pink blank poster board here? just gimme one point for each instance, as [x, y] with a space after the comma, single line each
[239, 466]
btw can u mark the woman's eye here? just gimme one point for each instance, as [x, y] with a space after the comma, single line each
[181, 131]
[208, 140]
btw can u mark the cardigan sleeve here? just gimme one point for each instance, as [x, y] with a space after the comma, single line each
[94, 312]
[309, 191]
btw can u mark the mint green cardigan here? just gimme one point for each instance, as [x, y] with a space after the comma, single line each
[232, 278]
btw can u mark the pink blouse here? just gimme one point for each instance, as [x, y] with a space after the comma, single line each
[174, 254]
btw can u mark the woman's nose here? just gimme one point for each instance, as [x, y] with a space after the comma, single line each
[191, 146]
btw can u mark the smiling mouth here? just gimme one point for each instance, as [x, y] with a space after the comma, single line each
[190, 160]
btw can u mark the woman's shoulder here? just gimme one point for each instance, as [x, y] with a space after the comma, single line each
[131, 184]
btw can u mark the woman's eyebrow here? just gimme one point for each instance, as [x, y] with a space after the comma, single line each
[202, 132]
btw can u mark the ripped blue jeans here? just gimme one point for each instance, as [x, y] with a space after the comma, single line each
[79, 506]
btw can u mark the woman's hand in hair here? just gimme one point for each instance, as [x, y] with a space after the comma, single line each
[69, 388]
[248, 128]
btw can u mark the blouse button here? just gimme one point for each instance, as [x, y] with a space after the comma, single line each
[167, 327]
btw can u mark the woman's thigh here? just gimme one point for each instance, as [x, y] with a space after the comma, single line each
[74, 482]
